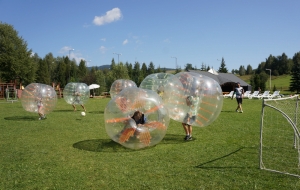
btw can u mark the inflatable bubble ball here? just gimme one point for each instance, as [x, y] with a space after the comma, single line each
[123, 127]
[156, 82]
[76, 93]
[196, 99]
[36, 94]
[118, 85]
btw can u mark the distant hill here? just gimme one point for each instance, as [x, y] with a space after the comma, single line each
[102, 67]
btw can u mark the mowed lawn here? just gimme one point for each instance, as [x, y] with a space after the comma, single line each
[68, 151]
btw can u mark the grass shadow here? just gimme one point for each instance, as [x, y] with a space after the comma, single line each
[174, 139]
[203, 165]
[228, 111]
[69, 110]
[108, 145]
[103, 145]
[22, 118]
[96, 112]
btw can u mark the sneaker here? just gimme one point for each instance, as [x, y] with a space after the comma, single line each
[40, 118]
[187, 137]
[242, 111]
[237, 110]
[44, 116]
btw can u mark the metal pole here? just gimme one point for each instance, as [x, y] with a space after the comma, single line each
[118, 56]
[175, 61]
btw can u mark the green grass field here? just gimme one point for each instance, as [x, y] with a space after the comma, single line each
[68, 151]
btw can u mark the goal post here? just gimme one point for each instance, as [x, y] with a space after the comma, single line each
[279, 136]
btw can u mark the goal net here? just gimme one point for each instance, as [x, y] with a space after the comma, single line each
[279, 136]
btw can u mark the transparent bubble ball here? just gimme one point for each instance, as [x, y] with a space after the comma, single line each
[118, 85]
[122, 129]
[36, 92]
[76, 93]
[157, 82]
[205, 92]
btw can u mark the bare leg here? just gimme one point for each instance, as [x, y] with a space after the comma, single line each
[185, 127]
[241, 107]
[41, 113]
[190, 130]
[83, 107]
[74, 107]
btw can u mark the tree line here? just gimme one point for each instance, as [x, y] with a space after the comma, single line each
[18, 62]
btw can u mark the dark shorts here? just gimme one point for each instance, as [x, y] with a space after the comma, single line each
[239, 100]
[191, 118]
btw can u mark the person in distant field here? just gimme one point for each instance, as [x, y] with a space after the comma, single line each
[77, 100]
[239, 93]
[190, 118]
[259, 90]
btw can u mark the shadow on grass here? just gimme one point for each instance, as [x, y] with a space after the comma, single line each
[101, 145]
[22, 118]
[202, 166]
[69, 110]
[174, 139]
[108, 145]
[79, 111]
[229, 111]
[96, 112]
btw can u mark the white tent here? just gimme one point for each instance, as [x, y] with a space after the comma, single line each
[212, 71]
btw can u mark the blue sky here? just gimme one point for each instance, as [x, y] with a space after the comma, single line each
[165, 32]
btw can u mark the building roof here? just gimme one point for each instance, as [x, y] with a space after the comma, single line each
[222, 78]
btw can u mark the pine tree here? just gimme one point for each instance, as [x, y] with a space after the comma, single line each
[151, 68]
[82, 70]
[295, 73]
[144, 70]
[249, 70]
[42, 73]
[222, 68]
[242, 70]
[136, 73]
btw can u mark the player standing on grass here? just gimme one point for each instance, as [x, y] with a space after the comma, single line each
[239, 93]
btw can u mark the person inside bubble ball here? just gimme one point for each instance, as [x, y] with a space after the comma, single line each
[130, 131]
[139, 118]
[190, 118]
[40, 106]
[160, 90]
[77, 100]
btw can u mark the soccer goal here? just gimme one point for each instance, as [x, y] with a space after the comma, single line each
[279, 136]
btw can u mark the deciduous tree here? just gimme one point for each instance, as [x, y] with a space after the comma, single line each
[15, 57]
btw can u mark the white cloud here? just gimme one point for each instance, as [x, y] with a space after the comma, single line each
[103, 39]
[110, 16]
[69, 51]
[65, 49]
[125, 42]
[103, 49]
